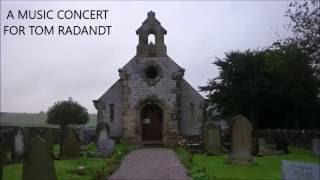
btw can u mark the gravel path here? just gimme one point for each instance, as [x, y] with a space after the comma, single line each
[151, 164]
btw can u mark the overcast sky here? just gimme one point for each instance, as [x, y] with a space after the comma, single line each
[37, 71]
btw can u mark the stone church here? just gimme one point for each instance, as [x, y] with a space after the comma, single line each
[151, 102]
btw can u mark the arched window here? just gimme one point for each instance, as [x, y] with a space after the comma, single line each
[151, 39]
[111, 112]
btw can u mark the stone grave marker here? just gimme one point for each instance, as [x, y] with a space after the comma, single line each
[19, 143]
[105, 145]
[261, 146]
[240, 152]
[212, 139]
[70, 147]
[38, 161]
[293, 170]
[316, 147]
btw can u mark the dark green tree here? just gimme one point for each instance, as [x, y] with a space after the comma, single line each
[274, 88]
[294, 87]
[67, 112]
[241, 81]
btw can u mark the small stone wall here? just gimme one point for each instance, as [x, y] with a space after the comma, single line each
[299, 138]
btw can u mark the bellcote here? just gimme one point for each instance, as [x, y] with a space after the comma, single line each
[151, 38]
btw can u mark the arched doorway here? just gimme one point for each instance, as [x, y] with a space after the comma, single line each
[151, 120]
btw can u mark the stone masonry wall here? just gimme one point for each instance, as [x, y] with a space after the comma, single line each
[112, 96]
[192, 105]
[299, 138]
[137, 90]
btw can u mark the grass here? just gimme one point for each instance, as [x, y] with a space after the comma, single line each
[214, 167]
[66, 169]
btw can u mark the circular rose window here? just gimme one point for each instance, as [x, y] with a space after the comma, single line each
[151, 72]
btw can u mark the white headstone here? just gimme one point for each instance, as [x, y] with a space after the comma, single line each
[105, 144]
[293, 170]
[261, 146]
[103, 134]
[18, 143]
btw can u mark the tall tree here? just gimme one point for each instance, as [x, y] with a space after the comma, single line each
[305, 25]
[239, 84]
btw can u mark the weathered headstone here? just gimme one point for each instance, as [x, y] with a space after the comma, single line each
[38, 162]
[292, 170]
[212, 139]
[261, 146]
[316, 147]
[240, 152]
[70, 147]
[19, 143]
[105, 144]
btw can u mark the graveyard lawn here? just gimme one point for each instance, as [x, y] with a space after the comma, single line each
[267, 167]
[66, 169]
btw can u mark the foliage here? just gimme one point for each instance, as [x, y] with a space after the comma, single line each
[268, 167]
[65, 169]
[277, 87]
[67, 112]
[274, 88]
[197, 173]
[305, 20]
[241, 76]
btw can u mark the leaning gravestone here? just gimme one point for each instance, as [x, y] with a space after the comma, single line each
[316, 147]
[212, 139]
[240, 152]
[70, 147]
[37, 161]
[105, 145]
[292, 170]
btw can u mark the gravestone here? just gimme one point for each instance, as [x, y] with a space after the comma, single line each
[19, 143]
[292, 170]
[316, 147]
[261, 146]
[240, 152]
[105, 145]
[70, 147]
[212, 139]
[37, 161]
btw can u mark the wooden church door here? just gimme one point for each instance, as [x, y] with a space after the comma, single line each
[151, 123]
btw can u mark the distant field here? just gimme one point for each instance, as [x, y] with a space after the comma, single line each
[266, 168]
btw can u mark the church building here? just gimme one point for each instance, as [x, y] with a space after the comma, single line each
[151, 102]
